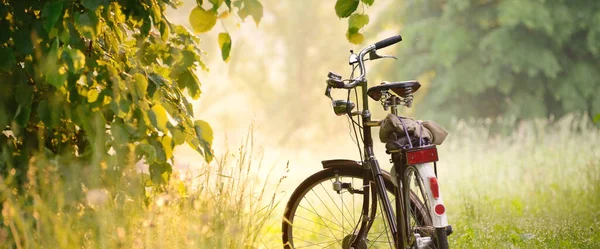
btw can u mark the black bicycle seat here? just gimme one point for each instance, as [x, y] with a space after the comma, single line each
[402, 88]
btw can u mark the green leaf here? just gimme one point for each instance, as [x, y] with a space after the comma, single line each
[158, 117]
[228, 3]
[205, 134]
[24, 94]
[216, 4]
[141, 85]
[188, 79]
[124, 108]
[55, 73]
[74, 59]
[164, 30]
[251, 8]
[161, 156]
[167, 144]
[354, 37]
[146, 26]
[368, 2]
[51, 13]
[22, 41]
[88, 24]
[202, 20]
[22, 115]
[358, 21]
[178, 135]
[344, 8]
[597, 118]
[225, 44]
[7, 60]
[148, 152]
[160, 173]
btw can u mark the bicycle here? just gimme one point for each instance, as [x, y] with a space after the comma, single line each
[323, 211]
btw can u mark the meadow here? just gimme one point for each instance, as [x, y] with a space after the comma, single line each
[507, 184]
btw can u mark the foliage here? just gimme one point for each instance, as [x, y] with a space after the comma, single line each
[495, 57]
[204, 17]
[81, 77]
[356, 21]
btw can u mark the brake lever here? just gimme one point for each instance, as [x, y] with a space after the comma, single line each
[328, 93]
[374, 56]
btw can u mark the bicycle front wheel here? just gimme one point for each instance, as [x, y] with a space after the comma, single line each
[318, 216]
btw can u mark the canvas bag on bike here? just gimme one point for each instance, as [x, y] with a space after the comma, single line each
[393, 131]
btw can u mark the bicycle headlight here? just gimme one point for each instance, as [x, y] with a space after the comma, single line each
[341, 107]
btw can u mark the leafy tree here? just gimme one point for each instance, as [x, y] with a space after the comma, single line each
[102, 80]
[86, 77]
[503, 57]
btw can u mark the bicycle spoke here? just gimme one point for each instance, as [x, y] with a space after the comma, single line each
[316, 232]
[314, 244]
[323, 225]
[332, 233]
[322, 218]
[326, 207]
[331, 198]
[329, 245]
[353, 208]
[385, 224]
[352, 215]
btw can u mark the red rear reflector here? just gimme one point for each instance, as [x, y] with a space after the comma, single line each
[440, 209]
[435, 190]
[421, 156]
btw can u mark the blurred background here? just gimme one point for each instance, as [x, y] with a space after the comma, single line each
[498, 62]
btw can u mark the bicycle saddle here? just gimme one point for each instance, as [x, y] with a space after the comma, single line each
[402, 88]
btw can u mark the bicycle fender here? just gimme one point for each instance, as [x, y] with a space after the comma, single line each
[345, 163]
[333, 163]
[427, 174]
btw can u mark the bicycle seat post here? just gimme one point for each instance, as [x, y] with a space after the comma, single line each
[394, 104]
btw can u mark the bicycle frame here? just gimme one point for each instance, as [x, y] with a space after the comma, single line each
[397, 221]
[373, 171]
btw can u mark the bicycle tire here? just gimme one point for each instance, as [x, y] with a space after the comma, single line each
[438, 235]
[334, 237]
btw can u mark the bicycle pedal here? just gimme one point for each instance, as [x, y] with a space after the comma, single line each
[449, 230]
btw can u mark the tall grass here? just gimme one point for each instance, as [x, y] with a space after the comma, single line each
[224, 205]
[534, 186]
[507, 184]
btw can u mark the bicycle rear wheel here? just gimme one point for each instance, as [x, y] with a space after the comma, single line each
[317, 216]
[423, 225]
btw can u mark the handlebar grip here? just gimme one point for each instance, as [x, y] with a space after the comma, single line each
[389, 41]
[333, 75]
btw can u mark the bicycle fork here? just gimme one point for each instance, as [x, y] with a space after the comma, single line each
[376, 175]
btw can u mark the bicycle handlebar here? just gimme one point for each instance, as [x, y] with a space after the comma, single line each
[387, 42]
[338, 83]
